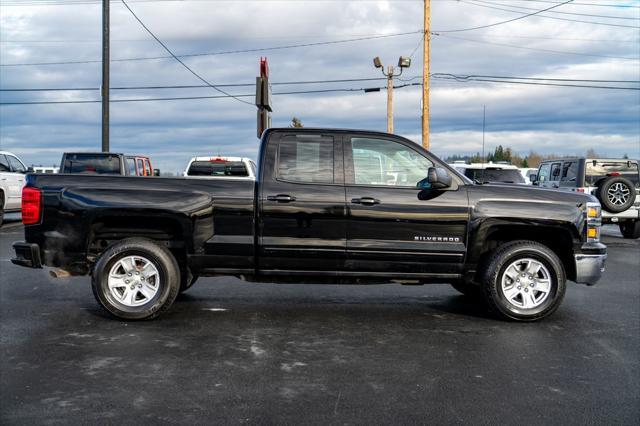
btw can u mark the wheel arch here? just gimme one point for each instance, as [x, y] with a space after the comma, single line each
[560, 238]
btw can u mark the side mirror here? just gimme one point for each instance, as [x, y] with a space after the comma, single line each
[533, 177]
[438, 178]
[156, 172]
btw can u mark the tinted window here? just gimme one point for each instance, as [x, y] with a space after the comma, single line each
[569, 171]
[91, 164]
[306, 159]
[555, 172]
[16, 164]
[602, 169]
[217, 167]
[495, 175]
[4, 164]
[383, 162]
[131, 165]
[544, 172]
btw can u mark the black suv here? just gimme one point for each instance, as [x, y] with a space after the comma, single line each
[615, 182]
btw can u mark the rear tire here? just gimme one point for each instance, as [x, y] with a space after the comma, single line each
[136, 279]
[630, 229]
[524, 281]
[616, 194]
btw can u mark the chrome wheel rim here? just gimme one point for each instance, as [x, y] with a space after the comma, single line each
[526, 283]
[133, 281]
[618, 194]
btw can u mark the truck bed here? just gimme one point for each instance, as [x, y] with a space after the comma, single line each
[210, 218]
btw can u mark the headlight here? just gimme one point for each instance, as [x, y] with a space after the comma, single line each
[594, 222]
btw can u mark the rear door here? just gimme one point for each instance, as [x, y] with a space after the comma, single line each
[302, 228]
[395, 228]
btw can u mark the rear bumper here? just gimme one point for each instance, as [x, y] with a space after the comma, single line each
[589, 267]
[27, 255]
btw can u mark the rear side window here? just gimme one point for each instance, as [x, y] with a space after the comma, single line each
[217, 167]
[131, 165]
[555, 172]
[569, 171]
[147, 167]
[91, 164]
[16, 165]
[603, 169]
[4, 164]
[306, 159]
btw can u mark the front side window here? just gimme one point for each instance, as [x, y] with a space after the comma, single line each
[545, 171]
[16, 164]
[140, 171]
[388, 163]
[306, 159]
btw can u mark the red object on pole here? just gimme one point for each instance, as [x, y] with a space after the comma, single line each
[264, 68]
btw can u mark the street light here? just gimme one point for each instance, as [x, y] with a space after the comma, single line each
[403, 62]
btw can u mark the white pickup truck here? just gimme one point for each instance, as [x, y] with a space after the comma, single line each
[240, 168]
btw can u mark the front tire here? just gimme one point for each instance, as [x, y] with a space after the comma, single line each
[524, 281]
[136, 279]
[630, 229]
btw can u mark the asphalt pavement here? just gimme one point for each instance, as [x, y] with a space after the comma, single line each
[231, 352]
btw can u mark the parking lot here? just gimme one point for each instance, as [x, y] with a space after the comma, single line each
[234, 352]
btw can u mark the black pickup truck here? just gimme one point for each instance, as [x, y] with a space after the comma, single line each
[328, 206]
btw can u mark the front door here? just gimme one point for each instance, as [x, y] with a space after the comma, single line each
[394, 227]
[302, 206]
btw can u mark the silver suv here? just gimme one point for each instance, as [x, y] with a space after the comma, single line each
[614, 181]
[12, 172]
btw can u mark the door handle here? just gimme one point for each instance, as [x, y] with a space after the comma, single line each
[281, 198]
[367, 201]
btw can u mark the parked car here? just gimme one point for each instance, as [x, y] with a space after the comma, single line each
[491, 172]
[106, 163]
[225, 167]
[12, 172]
[615, 182]
[317, 213]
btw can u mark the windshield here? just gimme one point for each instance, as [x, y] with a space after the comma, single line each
[495, 175]
[217, 168]
[102, 164]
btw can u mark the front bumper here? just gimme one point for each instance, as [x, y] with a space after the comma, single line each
[27, 255]
[589, 267]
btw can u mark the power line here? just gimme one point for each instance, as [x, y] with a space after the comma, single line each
[618, 6]
[551, 17]
[224, 52]
[439, 76]
[507, 21]
[562, 13]
[287, 83]
[537, 49]
[179, 60]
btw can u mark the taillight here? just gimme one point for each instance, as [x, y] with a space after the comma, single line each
[31, 205]
[580, 189]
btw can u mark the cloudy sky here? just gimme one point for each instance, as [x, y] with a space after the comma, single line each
[552, 45]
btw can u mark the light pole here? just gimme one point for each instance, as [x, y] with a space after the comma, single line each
[105, 75]
[403, 62]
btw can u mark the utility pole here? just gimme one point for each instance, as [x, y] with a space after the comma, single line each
[390, 99]
[403, 62]
[105, 75]
[425, 74]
